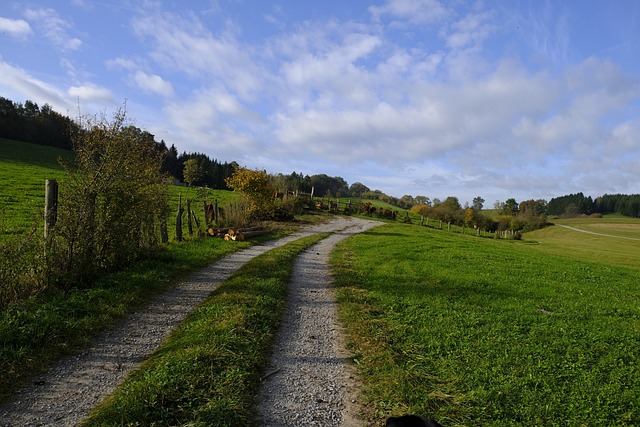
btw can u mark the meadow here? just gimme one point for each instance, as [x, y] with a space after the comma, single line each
[24, 167]
[476, 331]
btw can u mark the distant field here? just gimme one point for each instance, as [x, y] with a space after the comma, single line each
[24, 167]
[620, 250]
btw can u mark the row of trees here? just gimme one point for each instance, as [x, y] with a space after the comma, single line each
[524, 216]
[41, 125]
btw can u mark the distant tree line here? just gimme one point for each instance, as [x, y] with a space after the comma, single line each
[579, 204]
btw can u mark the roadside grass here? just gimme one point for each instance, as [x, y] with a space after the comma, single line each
[477, 332]
[598, 249]
[37, 331]
[208, 371]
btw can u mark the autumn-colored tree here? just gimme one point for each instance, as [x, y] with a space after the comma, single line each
[256, 189]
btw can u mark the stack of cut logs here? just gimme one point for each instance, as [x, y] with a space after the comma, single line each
[236, 234]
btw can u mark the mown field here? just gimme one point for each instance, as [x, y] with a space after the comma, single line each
[617, 241]
[479, 332]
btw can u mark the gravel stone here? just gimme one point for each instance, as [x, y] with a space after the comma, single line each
[314, 377]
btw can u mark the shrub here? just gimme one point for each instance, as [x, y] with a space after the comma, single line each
[112, 202]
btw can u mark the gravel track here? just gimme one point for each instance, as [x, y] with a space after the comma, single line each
[68, 392]
[310, 381]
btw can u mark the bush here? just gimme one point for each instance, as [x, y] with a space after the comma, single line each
[112, 203]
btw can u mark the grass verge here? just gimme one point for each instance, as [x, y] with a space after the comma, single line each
[479, 332]
[208, 371]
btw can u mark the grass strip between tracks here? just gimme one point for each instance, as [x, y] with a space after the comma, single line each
[208, 371]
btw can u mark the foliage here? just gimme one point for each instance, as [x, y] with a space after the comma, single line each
[255, 187]
[113, 201]
[572, 204]
[623, 204]
[192, 172]
[481, 332]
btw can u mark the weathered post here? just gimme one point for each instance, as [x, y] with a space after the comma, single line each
[215, 212]
[50, 205]
[179, 220]
[164, 232]
[189, 221]
[421, 219]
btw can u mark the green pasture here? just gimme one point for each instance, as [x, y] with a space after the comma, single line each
[24, 167]
[617, 241]
[477, 332]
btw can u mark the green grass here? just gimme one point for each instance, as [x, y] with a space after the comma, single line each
[479, 332]
[592, 248]
[24, 167]
[207, 372]
[35, 332]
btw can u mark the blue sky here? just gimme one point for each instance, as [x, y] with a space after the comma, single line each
[497, 99]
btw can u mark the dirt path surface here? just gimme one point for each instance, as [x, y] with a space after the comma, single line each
[309, 382]
[66, 394]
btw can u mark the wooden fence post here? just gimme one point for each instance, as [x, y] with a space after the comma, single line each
[50, 205]
[189, 221]
[179, 220]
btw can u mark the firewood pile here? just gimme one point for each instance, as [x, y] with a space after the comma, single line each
[236, 234]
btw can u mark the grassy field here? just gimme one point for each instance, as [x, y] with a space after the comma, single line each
[24, 167]
[478, 332]
[613, 244]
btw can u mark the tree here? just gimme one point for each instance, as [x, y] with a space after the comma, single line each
[193, 171]
[255, 188]
[423, 200]
[510, 207]
[478, 203]
[357, 189]
[114, 201]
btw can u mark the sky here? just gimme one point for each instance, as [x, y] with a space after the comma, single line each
[524, 99]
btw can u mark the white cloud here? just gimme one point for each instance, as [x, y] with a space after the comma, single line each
[414, 11]
[55, 28]
[471, 30]
[15, 27]
[120, 62]
[184, 44]
[91, 93]
[152, 83]
[17, 84]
